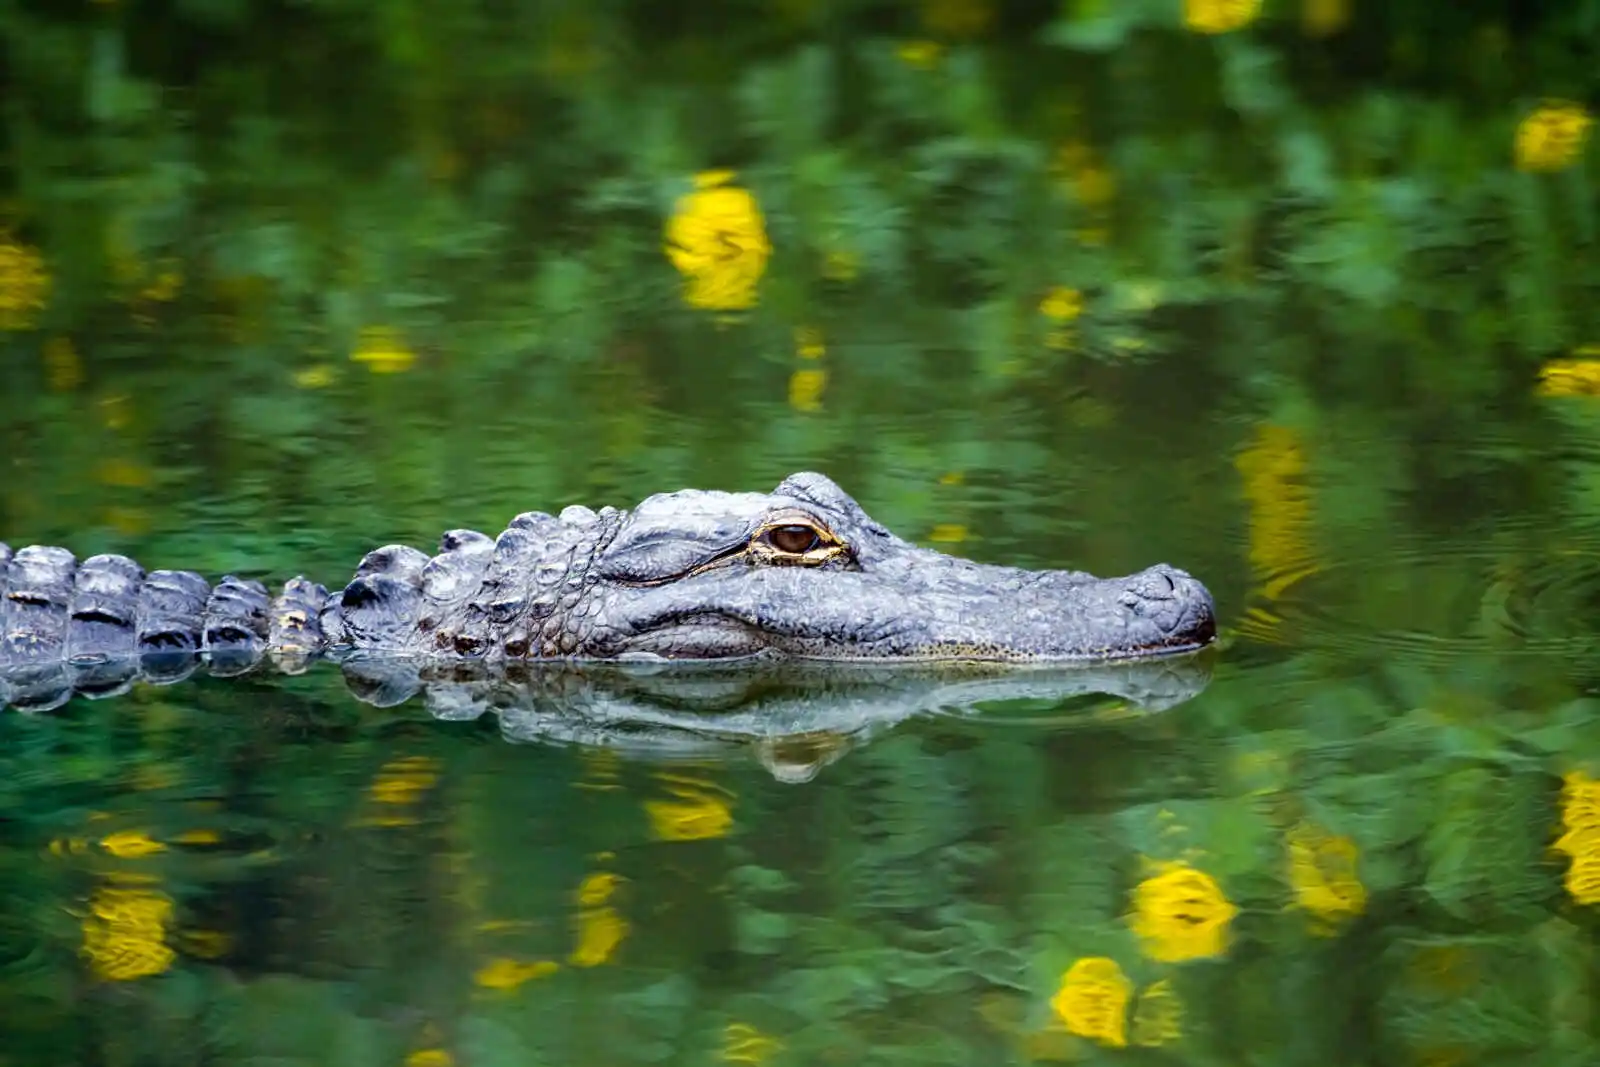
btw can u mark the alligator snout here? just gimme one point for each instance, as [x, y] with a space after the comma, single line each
[1176, 603]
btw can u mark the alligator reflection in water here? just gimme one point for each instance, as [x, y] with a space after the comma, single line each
[795, 716]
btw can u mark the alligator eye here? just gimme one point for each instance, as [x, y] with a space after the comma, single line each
[796, 539]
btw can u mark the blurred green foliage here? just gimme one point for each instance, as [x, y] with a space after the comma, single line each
[1264, 289]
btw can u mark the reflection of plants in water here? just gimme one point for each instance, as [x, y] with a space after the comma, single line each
[1093, 1000]
[600, 927]
[1552, 136]
[396, 789]
[700, 809]
[743, 1043]
[1322, 873]
[1158, 1017]
[125, 931]
[1219, 16]
[1180, 913]
[24, 283]
[1580, 819]
[717, 239]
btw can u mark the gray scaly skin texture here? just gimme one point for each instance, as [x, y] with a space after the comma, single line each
[802, 572]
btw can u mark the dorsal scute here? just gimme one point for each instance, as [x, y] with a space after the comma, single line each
[36, 586]
[103, 615]
[172, 608]
[236, 624]
[457, 571]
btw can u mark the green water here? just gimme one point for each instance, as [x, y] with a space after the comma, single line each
[1306, 307]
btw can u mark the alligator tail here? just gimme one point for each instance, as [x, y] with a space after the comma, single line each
[93, 626]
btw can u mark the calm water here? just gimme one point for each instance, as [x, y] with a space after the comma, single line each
[1298, 300]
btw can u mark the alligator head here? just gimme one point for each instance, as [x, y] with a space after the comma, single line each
[805, 571]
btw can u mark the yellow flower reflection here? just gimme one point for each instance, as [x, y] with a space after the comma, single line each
[743, 1043]
[1323, 18]
[600, 927]
[1158, 1019]
[1093, 1000]
[957, 18]
[809, 343]
[24, 283]
[697, 813]
[430, 1057]
[383, 350]
[1180, 913]
[398, 785]
[806, 387]
[1273, 467]
[63, 368]
[1580, 818]
[1322, 873]
[921, 55]
[1579, 376]
[131, 844]
[505, 973]
[316, 376]
[1219, 16]
[124, 934]
[717, 239]
[1552, 136]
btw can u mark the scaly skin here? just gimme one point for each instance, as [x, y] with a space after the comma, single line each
[800, 572]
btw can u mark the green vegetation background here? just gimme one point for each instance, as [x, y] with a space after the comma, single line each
[284, 281]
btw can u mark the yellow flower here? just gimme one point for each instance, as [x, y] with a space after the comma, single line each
[125, 931]
[1552, 137]
[1180, 913]
[1219, 16]
[923, 55]
[24, 283]
[504, 973]
[198, 837]
[743, 1043]
[63, 369]
[1322, 872]
[1061, 303]
[805, 388]
[948, 533]
[1158, 1019]
[383, 350]
[131, 844]
[1093, 1000]
[717, 239]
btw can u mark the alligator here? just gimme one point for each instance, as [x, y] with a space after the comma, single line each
[801, 572]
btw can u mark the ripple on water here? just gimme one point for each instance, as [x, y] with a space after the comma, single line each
[1517, 591]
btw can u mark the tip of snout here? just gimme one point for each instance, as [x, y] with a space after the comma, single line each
[1178, 604]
